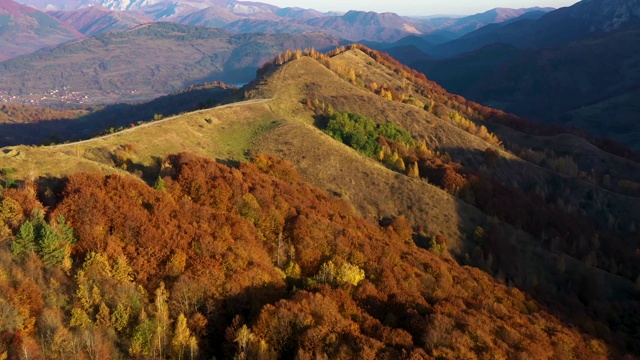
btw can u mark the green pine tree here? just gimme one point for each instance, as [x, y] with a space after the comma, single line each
[51, 249]
[25, 240]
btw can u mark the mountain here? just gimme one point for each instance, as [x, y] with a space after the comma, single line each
[299, 13]
[161, 8]
[459, 74]
[251, 17]
[419, 48]
[269, 27]
[143, 63]
[379, 217]
[361, 25]
[244, 17]
[210, 17]
[262, 22]
[97, 19]
[578, 71]
[457, 27]
[582, 20]
[24, 29]
[355, 25]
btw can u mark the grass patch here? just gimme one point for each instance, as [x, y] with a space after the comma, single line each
[7, 171]
[235, 139]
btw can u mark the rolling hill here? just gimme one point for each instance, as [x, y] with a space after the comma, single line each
[564, 239]
[24, 29]
[146, 62]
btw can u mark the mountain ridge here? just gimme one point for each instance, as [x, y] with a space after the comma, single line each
[561, 26]
[97, 19]
[585, 77]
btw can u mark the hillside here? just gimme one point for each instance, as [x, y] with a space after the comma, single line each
[24, 29]
[589, 84]
[224, 285]
[97, 20]
[142, 63]
[579, 21]
[269, 27]
[210, 17]
[573, 67]
[566, 240]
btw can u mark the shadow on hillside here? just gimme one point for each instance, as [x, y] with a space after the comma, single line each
[526, 226]
[545, 254]
[246, 304]
[320, 121]
[109, 119]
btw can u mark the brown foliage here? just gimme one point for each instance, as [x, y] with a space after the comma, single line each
[411, 304]
[13, 113]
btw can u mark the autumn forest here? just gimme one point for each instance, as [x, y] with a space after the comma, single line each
[247, 262]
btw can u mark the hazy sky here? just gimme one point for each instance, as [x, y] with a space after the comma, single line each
[420, 7]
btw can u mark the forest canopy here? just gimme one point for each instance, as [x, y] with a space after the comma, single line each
[243, 262]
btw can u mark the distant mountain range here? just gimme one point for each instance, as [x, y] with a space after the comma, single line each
[448, 28]
[576, 66]
[585, 18]
[91, 17]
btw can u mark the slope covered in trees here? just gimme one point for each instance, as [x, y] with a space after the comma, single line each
[249, 262]
[560, 222]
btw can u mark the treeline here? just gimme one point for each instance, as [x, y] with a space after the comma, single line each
[13, 113]
[247, 263]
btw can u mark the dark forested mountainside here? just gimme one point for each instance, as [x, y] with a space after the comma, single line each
[576, 66]
[577, 22]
